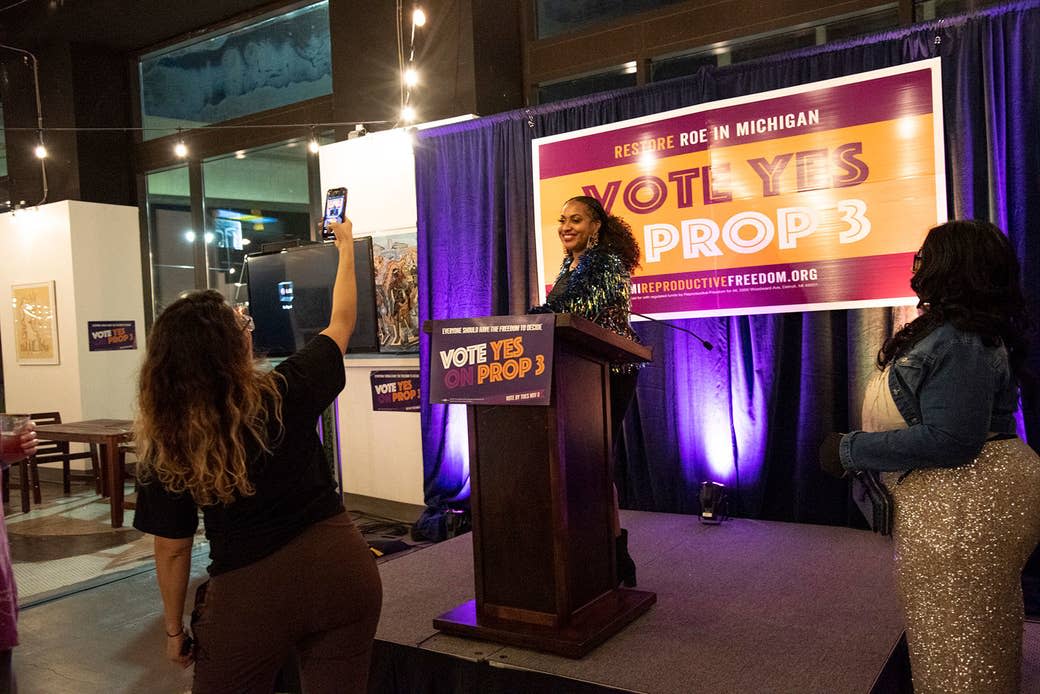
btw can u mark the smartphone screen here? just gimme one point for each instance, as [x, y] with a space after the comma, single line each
[335, 207]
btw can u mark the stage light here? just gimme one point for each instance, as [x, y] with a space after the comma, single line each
[180, 149]
[411, 77]
[40, 151]
[418, 17]
[408, 114]
[713, 502]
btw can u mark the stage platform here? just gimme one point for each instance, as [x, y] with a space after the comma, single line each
[745, 606]
[748, 606]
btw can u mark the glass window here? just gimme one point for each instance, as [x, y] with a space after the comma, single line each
[555, 17]
[880, 18]
[172, 239]
[681, 66]
[3, 144]
[278, 61]
[788, 41]
[253, 197]
[883, 18]
[590, 84]
[927, 10]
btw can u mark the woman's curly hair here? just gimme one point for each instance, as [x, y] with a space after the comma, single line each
[968, 277]
[203, 404]
[615, 234]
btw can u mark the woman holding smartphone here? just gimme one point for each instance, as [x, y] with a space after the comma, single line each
[289, 572]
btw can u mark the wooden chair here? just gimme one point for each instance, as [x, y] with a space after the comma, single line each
[58, 452]
[23, 469]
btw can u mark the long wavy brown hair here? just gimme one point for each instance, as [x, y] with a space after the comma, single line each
[615, 234]
[203, 404]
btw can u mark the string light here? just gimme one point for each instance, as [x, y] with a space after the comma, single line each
[409, 72]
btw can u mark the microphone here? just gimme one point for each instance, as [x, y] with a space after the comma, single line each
[704, 343]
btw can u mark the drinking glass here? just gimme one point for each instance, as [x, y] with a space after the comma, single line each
[12, 426]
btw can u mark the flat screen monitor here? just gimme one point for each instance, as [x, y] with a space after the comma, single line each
[290, 297]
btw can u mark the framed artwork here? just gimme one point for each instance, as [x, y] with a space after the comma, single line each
[35, 323]
[396, 259]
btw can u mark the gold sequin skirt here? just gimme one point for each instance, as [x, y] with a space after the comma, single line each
[962, 536]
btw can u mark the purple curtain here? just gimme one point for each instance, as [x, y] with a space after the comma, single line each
[751, 412]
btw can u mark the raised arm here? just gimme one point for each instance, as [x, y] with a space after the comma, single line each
[344, 291]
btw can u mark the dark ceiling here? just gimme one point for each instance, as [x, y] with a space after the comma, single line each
[122, 25]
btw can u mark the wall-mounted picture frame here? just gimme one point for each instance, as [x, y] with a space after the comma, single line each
[35, 323]
[396, 258]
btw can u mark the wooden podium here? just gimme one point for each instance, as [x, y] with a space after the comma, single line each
[542, 503]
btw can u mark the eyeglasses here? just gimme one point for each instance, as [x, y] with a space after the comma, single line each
[918, 260]
[247, 323]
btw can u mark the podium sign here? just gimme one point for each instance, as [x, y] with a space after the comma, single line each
[495, 360]
[542, 485]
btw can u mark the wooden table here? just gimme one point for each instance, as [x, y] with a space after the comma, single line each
[106, 433]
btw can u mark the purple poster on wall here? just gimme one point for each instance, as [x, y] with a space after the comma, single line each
[395, 391]
[497, 360]
[111, 335]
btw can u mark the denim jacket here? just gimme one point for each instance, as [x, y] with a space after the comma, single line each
[952, 391]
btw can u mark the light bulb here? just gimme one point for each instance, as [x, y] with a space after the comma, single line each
[411, 77]
[313, 146]
[180, 149]
[40, 151]
[408, 114]
[418, 17]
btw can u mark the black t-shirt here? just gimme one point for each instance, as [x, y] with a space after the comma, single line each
[294, 486]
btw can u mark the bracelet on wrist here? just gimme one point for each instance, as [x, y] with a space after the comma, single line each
[170, 636]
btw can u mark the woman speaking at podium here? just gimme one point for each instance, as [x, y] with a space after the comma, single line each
[289, 571]
[594, 282]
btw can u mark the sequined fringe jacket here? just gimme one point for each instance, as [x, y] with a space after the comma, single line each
[598, 289]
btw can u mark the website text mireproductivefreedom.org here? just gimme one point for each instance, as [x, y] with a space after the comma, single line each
[743, 279]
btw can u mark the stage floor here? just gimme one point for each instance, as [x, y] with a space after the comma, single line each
[746, 606]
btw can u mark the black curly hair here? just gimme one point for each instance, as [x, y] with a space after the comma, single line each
[968, 276]
[615, 234]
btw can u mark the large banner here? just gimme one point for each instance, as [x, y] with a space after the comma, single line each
[497, 360]
[813, 197]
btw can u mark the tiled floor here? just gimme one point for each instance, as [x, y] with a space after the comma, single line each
[90, 618]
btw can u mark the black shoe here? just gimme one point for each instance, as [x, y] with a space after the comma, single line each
[626, 568]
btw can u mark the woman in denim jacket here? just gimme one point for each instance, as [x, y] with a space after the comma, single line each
[938, 420]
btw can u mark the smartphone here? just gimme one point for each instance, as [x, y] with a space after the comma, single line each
[335, 208]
